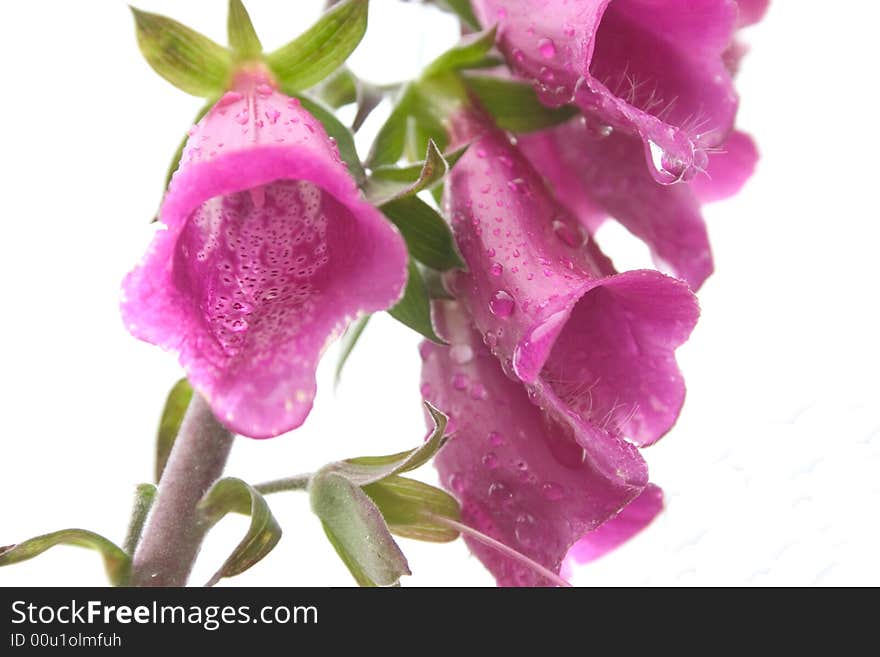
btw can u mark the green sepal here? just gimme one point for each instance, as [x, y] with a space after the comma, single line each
[470, 51]
[337, 130]
[367, 470]
[356, 529]
[172, 416]
[388, 183]
[390, 141]
[321, 49]
[414, 309]
[243, 39]
[145, 495]
[347, 344]
[231, 495]
[514, 105]
[410, 507]
[116, 562]
[462, 9]
[188, 60]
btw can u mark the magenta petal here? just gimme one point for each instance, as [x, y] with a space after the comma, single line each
[532, 482]
[267, 252]
[653, 69]
[751, 11]
[586, 342]
[596, 175]
[637, 515]
[728, 170]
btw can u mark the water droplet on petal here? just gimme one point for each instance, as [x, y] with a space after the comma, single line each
[460, 381]
[502, 304]
[526, 531]
[490, 460]
[496, 269]
[566, 234]
[496, 439]
[479, 392]
[461, 354]
[498, 492]
[547, 48]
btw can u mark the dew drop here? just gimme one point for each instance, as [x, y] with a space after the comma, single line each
[490, 460]
[502, 304]
[526, 531]
[496, 269]
[479, 392]
[461, 354]
[496, 439]
[459, 381]
[547, 48]
[498, 492]
[566, 234]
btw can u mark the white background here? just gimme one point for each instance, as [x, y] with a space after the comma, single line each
[771, 473]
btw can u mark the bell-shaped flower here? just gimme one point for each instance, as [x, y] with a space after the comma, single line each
[531, 480]
[654, 69]
[596, 174]
[586, 340]
[267, 250]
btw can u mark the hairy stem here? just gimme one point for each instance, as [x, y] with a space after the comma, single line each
[297, 482]
[174, 531]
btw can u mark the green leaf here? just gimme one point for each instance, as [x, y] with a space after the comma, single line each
[470, 51]
[187, 59]
[243, 37]
[391, 140]
[321, 49]
[348, 342]
[234, 495]
[366, 470]
[414, 309]
[339, 89]
[357, 530]
[342, 135]
[116, 561]
[145, 495]
[462, 8]
[427, 235]
[172, 415]
[514, 105]
[389, 183]
[408, 506]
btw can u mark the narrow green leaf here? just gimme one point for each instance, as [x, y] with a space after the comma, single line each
[370, 469]
[357, 530]
[462, 8]
[172, 415]
[389, 183]
[235, 496]
[144, 496]
[470, 51]
[187, 59]
[408, 506]
[243, 37]
[116, 561]
[348, 342]
[390, 142]
[414, 309]
[514, 105]
[338, 131]
[321, 49]
[427, 235]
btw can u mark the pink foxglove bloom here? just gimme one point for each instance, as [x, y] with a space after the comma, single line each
[536, 483]
[597, 174]
[635, 517]
[267, 252]
[654, 69]
[585, 340]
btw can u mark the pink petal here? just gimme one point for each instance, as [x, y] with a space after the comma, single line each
[653, 69]
[728, 169]
[751, 11]
[586, 342]
[634, 517]
[597, 175]
[531, 481]
[267, 252]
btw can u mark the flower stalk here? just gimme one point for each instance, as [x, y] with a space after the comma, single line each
[174, 531]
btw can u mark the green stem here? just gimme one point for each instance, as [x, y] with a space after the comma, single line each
[294, 483]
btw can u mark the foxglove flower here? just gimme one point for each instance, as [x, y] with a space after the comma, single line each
[597, 173]
[267, 252]
[533, 481]
[585, 340]
[635, 517]
[654, 69]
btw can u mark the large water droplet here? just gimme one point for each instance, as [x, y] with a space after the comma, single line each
[526, 531]
[667, 168]
[547, 48]
[502, 304]
[566, 234]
